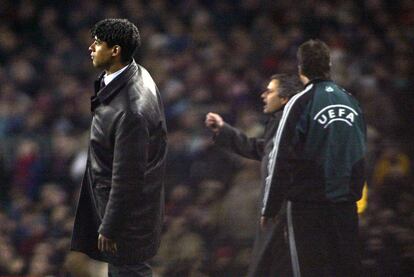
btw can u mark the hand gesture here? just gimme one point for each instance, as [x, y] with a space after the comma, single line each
[214, 122]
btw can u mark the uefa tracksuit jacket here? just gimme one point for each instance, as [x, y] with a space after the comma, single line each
[318, 150]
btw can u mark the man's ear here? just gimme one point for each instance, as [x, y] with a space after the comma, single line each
[302, 77]
[284, 100]
[116, 50]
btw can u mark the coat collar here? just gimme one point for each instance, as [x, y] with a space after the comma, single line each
[105, 94]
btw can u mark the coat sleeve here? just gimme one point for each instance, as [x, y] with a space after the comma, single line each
[287, 148]
[235, 141]
[128, 171]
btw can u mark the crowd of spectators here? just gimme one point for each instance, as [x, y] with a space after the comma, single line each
[205, 56]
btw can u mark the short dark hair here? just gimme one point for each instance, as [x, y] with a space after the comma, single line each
[314, 59]
[116, 31]
[289, 84]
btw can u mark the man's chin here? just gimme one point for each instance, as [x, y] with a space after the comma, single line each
[97, 65]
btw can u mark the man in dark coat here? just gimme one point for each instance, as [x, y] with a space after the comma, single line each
[270, 237]
[120, 210]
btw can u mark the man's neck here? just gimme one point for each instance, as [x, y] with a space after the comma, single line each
[114, 68]
[304, 79]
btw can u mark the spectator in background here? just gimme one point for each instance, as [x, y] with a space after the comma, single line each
[28, 173]
[280, 89]
[120, 210]
[182, 250]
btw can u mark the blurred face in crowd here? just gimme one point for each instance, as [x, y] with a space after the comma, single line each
[271, 99]
[102, 55]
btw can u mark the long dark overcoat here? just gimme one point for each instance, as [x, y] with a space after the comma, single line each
[122, 193]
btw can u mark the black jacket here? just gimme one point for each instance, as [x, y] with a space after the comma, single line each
[234, 140]
[122, 193]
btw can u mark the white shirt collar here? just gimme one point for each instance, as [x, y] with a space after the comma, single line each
[108, 78]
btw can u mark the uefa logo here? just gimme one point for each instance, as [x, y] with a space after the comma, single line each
[336, 113]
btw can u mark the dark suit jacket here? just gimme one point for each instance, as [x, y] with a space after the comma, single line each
[270, 254]
[122, 193]
[235, 141]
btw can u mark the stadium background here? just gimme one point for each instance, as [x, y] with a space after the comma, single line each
[205, 56]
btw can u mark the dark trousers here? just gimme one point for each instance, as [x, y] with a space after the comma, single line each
[323, 239]
[270, 255]
[139, 270]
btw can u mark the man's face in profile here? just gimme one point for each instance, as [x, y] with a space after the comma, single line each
[271, 98]
[101, 54]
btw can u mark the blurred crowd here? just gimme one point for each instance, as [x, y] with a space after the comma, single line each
[205, 56]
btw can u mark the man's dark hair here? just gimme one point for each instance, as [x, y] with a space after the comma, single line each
[289, 84]
[116, 31]
[314, 59]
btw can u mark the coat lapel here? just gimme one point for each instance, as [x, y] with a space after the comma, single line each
[105, 94]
